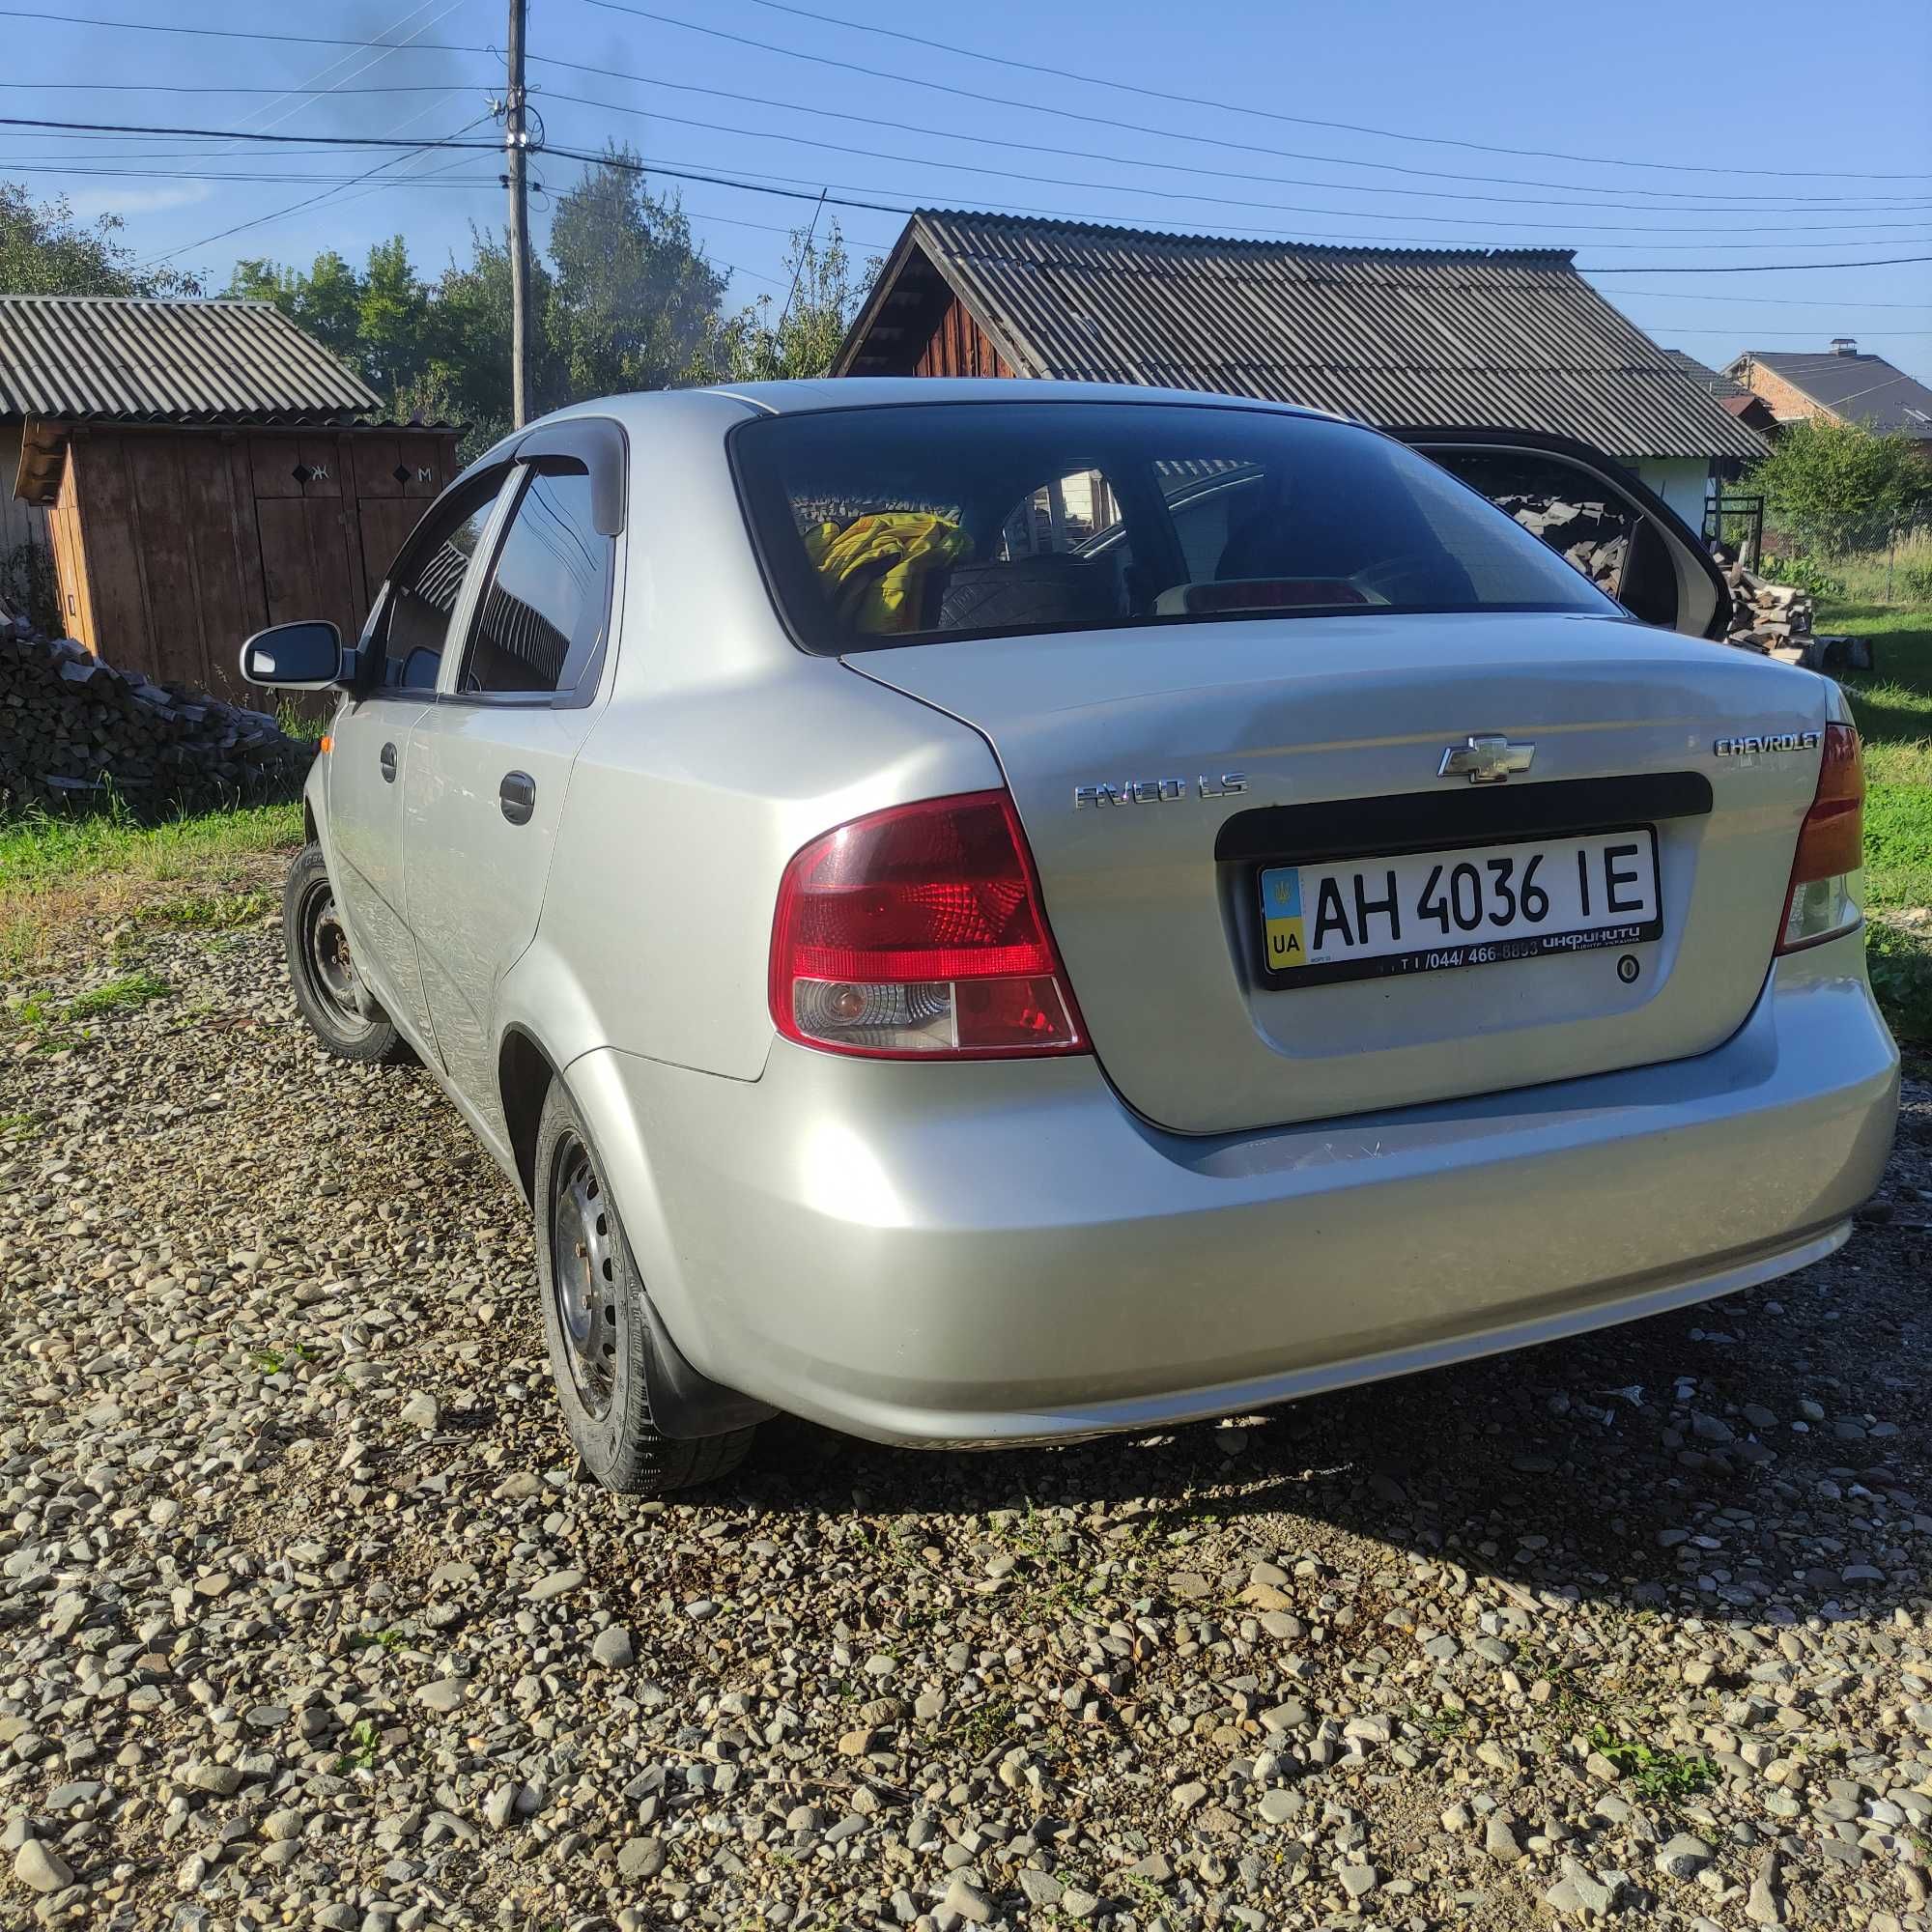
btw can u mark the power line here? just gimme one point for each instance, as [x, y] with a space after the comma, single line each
[240, 181]
[1918, 210]
[295, 208]
[1833, 303]
[240, 134]
[1217, 106]
[1803, 334]
[386, 48]
[1752, 268]
[367, 141]
[225, 33]
[680, 173]
[875, 31]
[171, 87]
[1836, 230]
[1034, 107]
[1722, 197]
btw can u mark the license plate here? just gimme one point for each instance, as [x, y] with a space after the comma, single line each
[1421, 911]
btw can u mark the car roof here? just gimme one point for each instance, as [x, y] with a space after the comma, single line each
[857, 392]
[704, 412]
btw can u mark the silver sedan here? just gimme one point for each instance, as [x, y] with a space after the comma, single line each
[992, 912]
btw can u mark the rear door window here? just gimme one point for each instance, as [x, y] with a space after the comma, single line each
[922, 522]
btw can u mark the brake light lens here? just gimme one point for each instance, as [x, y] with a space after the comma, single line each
[917, 932]
[1831, 848]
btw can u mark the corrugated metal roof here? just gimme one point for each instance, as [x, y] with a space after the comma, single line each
[129, 359]
[1725, 388]
[1859, 388]
[1450, 338]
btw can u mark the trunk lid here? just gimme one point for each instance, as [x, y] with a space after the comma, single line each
[1335, 729]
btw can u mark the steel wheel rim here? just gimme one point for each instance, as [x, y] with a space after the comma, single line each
[331, 960]
[584, 1276]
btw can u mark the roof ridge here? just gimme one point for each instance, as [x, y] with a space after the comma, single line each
[151, 301]
[1565, 257]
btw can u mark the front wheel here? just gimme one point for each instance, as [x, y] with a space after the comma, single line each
[594, 1323]
[321, 968]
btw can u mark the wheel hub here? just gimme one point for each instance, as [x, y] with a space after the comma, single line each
[584, 1277]
[332, 962]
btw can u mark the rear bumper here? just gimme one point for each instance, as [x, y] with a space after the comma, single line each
[1002, 1253]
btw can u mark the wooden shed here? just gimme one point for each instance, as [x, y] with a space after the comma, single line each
[208, 469]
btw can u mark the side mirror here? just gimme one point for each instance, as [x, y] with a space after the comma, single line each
[294, 657]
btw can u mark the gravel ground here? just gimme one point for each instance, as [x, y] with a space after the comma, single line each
[303, 1620]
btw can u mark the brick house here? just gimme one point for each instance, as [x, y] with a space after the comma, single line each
[1840, 385]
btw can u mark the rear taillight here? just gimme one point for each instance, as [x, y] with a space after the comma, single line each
[1831, 848]
[919, 931]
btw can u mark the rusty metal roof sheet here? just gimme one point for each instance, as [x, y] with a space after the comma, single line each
[131, 359]
[1441, 337]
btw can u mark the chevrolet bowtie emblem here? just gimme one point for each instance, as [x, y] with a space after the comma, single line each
[1485, 760]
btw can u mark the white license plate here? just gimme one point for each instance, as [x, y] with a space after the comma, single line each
[1420, 912]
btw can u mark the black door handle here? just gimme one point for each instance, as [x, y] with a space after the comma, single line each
[387, 761]
[518, 796]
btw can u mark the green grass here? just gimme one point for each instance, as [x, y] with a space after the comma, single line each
[117, 996]
[55, 871]
[44, 851]
[1893, 710]
[208, 912]
[1864, 577]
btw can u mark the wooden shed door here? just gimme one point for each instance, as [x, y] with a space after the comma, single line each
[310, 565]
[397, 477]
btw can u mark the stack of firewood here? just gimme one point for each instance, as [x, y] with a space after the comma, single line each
[1774, 618]
[1591, 536]
[76, 732]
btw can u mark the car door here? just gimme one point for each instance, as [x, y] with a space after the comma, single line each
[1615, 529]
[402, 648]
[489, 762]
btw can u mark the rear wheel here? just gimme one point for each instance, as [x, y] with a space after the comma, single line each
[594, 1323]
[321, 968]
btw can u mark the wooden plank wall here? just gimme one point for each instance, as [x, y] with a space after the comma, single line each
[175, 544]
[71, 558]
[960, 347]
[19, 522]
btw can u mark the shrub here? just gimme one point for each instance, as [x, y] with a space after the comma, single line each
[1840, 487]
[1802, 574]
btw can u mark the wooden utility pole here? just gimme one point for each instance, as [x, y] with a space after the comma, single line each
[520, 223]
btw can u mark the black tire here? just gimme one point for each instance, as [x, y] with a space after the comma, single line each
[322, 969]
[594, 1324]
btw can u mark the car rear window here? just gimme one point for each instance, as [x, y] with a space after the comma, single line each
[913, 523]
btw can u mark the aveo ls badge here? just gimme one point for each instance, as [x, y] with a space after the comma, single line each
[1159, 791]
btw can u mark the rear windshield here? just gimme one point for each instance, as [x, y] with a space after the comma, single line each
[913, 523]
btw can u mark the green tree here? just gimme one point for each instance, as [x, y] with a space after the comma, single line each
[389, 318]
[326, 298]
[1840, 487]
[466, 336]
[46, 250]
[804, 336]
[634, 303]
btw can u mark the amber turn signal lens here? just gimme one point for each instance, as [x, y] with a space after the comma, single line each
[328, 743]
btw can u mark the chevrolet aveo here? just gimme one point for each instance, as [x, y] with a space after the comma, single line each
[983, 912]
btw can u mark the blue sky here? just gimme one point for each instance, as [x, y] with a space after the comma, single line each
[1669, 123]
